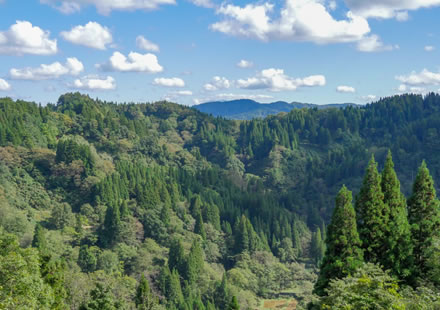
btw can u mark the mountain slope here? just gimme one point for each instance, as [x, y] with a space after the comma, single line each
[117, 191]
[246, 109]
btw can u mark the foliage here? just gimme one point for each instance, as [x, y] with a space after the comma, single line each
[343, 255]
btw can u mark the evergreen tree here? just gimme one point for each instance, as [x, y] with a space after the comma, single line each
[221, 295]
[199, 228]
[398, 257]
[165, 215]
[112, 226]
[317, 246]
[144, 297]
[87, 259]
[233, 305]
[343, 254]
[241, 235]
[164, 279]
[176, 257]
[372, 219]
[100, 299]
[296, 240]
[194, 264]
[424, 217]
[174, 290]
[39, 240]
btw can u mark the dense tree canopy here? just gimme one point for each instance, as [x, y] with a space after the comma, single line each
[97, 194]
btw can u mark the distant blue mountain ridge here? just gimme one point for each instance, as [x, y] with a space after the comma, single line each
[246, 109]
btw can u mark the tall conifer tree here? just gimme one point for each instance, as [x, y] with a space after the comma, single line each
[398, 257]
[343, 254]
[144, 298]
[424, 217]
[372, 220]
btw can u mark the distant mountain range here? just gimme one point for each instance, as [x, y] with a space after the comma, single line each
[245, 109]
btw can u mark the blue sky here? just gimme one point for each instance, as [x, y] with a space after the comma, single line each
[193, 51]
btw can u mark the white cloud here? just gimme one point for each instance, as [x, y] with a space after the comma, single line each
[425, 77]
[4, 86]
[402, 16]
[23, 38]
[413, 89]
[217, 83]
[45, 72]
[402, 88]
[134, 62]
[169, 82]
[184, 93]
[105, 7]
[91, 35]
[429, 48]
[332, 5]
[92, 82]
[368, 98]
[144, 44]
[373, 43]
[203, 3]
[300, 20]
[387, 8]
[277, 80]
[245, 64]
[69, 7]
[345, 89]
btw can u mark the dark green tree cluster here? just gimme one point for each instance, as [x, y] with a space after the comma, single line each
[69, 150]
[399, 241]
[253, 194]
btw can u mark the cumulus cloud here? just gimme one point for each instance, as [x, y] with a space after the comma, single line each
[217, 83]
[425, 77]
[300, 20]
[402, 16]
[105, 7]
[134, 62]
[45, 72]
[245, 64]
[144, 44]
[429, 48]
[169, 82]
[92, 82]
[368, 98]
[4, 86]
[24, 38]
[373, 43]
[332, 5]
[277, 80]
[412, 89]
[345, 89]
[388, 8]
[91, 35]
[203, 3]
[184, 93]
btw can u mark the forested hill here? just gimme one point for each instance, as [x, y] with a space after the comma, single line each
[120, 205]
[246, 109]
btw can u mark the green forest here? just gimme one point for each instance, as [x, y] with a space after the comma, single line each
[109, 205]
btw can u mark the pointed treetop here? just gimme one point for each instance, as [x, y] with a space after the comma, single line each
[372, 219]
[343, 254]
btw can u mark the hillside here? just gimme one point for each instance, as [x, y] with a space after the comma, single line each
[246, 109]
[102, 202]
